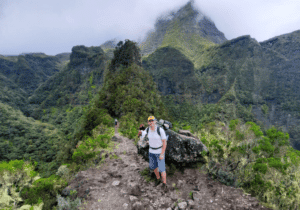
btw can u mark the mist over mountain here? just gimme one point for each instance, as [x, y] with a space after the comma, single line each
[189, 21]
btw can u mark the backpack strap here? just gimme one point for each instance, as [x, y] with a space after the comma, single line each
[157, 130]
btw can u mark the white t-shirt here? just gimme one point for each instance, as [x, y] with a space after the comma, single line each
[155, 140]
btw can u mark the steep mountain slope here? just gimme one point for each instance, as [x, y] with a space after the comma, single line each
[172, 71]
[21, 75]
[287, 44]
[13, 95]
[81, 77]
[23, 137]
[187, 29]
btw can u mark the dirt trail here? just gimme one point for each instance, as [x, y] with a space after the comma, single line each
[117, 185]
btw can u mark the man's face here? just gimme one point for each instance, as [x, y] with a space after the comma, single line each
[151, 122]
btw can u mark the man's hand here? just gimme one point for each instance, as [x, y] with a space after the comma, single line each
[140, 133]
[161, 157]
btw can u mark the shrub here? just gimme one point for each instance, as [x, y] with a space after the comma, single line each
[90, 147]
[14, 177]
[44, 189]
[67, 203]
[62, 170]
[263, 165]
[128, 126]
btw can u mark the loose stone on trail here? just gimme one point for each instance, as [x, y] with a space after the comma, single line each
[116, 183]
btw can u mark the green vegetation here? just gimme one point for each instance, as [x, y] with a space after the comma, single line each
[264, 165]
[77, 83]
[13, 96]
[189, 116]
[91, 147]
[129, 92]
[196, 48]
[15, 177]
[23, 137]
[125, 54]
[45, 190]
[28, 71]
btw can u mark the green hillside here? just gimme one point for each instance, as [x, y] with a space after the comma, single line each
[23, 137]
[76, 83]
[29, 70]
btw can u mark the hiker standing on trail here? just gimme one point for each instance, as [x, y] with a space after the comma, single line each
[157, 148]
[116, 122]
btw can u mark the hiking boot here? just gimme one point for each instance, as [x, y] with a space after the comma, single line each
[165, 188]
[157, 182]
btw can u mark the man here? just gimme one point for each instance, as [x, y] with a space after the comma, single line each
[157, 148]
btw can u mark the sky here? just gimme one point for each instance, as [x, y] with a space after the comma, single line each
[55, 26]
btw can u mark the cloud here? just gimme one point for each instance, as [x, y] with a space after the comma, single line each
[56, 26]
[261, 19]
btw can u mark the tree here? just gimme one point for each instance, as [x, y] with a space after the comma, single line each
[125, 54]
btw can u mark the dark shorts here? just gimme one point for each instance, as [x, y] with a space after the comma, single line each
[155, 162]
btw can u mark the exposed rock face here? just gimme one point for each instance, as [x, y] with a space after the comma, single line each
[180, 148]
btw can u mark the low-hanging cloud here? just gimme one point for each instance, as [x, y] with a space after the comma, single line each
[56, 26]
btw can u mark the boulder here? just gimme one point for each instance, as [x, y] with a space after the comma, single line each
[186, 133]
[180, 148]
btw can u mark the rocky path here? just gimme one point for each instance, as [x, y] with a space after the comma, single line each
[117, 184]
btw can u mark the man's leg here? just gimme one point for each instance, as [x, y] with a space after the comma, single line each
[156, 173]
[164, 177]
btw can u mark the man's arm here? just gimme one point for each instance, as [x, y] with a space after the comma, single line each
[164, 141]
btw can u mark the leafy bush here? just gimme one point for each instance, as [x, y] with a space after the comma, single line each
[263, 165]
[44, 189]
[128, 126]
[94, 117]
[15, 176]
[62, 170]
[90, 147]
[68, 203]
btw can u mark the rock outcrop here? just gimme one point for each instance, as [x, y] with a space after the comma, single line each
[180, 148]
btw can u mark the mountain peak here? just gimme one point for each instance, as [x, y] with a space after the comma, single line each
[188, 21]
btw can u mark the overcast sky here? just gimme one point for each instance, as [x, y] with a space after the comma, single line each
[55, 26]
